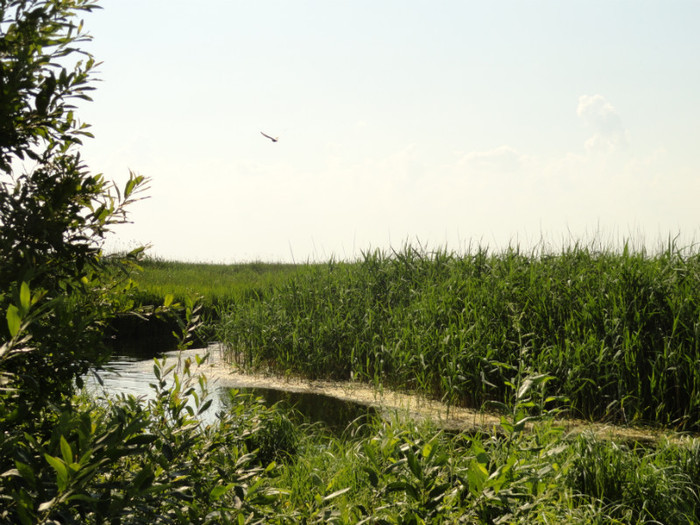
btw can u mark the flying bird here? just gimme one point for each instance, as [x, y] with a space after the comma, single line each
[273, 139]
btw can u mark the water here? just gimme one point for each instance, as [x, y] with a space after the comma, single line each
[133, 375]
[124, 375]
[334, 413]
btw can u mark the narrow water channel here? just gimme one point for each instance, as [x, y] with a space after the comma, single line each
[333, 405]
[133, 375]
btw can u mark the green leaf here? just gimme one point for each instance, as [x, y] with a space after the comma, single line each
[219, 491]
[133, 182]
[169, 298]
[66, 451]
[373, 477]
[25, 509]
[83, 497]
[166, 486]
[141, 439]
[25, 297]
[336, 494]
[476, 475]
[61, 471]
[414, 465]
[136, 252]
[143, 480]
[14, 320]
[480, 454]
[205, 406]
[26, 472]
[438, 492]
[402, 486]
[129, 187]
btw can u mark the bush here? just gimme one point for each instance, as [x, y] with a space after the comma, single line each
[56, 289]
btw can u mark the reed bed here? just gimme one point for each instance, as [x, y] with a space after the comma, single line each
[616, 332]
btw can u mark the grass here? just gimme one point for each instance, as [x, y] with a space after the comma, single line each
[214, 284]
[409, 473]
[611, 335]
[618, 332]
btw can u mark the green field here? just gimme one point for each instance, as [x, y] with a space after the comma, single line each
[607, 335]
[214, 284]
[616, 333]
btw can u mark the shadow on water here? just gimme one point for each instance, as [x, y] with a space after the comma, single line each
[305, 407]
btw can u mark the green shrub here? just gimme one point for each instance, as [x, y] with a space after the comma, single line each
[158, 462]
[56, 289]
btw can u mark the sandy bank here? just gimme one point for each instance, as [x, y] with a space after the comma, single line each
[220, 373]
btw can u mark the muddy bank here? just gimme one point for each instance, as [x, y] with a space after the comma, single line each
[396, 404]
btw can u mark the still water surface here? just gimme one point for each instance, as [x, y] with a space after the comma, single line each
[133, 375]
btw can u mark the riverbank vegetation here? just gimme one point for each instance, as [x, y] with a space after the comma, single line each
[212, 286]
[616, 315]
[528, 326]
[161, 464]
[616, 331]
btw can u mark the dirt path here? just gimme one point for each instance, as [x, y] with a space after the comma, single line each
[224, 374]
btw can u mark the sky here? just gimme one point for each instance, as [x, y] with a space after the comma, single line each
[441, 125]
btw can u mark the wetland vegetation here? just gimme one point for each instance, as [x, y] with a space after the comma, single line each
[611, 335]
[604, 334]
[617, 332]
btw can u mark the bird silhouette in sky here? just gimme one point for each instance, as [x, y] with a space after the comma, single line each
[273, 139]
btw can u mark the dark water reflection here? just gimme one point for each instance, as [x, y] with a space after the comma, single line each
[306, 407]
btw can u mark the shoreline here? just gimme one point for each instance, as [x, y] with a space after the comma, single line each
[416, 406]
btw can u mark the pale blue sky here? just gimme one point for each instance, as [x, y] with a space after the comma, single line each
[445, 123]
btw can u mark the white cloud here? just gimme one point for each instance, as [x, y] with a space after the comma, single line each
[500, 159]
[609, 133]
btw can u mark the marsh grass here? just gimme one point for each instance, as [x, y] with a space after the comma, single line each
[637, 484]
[612, 334]
[617, 331]
[214, 284]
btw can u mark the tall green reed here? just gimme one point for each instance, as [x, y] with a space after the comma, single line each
[617, 330]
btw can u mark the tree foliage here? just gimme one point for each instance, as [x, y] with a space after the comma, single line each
[54, 214]
[36, 114]
[64, 459]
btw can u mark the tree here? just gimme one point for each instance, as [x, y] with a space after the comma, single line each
[57, 289]
[63, 459]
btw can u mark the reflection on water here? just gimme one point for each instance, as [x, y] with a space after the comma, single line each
[123, 375]
[132, 375]
[334, 413]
